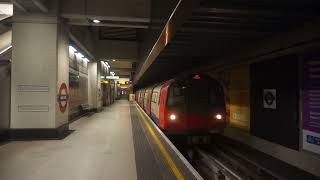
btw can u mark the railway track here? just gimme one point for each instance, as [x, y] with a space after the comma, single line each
[219, 163]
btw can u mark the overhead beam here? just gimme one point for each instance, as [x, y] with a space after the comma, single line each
[121, 59]
[80, 44]
[18, 5]
[41, 6]
[221, 30]
[122, 69]
[180, 14]
[122, 11]
[106, 49]
[248, 11]
[300, 40]
[106, 18]
[85, 22]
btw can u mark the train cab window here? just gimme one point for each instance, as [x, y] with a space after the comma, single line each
[176, 95]
[216, 96]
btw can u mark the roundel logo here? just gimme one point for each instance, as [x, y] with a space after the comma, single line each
[269, 98]
[63, 97]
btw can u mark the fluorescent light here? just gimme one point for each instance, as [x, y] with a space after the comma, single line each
[6, 49]
[113, 60]
[96, 21]
[113, 77]
[72, 49]
[86, 59]
[80, 55]
[6, 9]
[108, 66]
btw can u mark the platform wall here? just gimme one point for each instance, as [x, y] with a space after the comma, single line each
[5, 81]
[78, 83]
[236, 82]
[238, 85]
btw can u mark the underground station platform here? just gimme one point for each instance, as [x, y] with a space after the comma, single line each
[121, 142]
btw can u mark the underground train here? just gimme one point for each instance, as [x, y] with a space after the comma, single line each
[185, 105]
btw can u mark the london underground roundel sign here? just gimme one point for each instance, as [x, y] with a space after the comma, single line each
[63, 97]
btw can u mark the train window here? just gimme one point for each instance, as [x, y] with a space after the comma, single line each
[154, 97]
[216, 96]
[176, 95]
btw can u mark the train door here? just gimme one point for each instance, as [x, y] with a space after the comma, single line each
[155, 103]
[145, 99]
[148, 105]
[141, 98]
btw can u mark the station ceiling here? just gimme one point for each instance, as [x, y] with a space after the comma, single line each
[197, 35]
[116, 37]
[203, 34]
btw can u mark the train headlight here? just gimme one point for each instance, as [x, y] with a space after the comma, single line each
[173, 117]
[218, 116]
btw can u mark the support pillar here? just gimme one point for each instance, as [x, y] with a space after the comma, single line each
[40, 78]
[95, 92]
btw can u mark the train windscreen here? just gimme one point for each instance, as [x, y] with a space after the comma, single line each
[177, 97]
[198, 96]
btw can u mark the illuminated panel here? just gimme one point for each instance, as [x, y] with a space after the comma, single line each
[239, 94]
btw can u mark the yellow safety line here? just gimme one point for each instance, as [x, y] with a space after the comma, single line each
[163, 150]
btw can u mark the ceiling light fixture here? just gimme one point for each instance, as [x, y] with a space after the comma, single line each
[107, 64]
[72, 48]
[96, 21]
[6, 49]
[6, 9]
[113, 60]
[86, 59]
[80, 55]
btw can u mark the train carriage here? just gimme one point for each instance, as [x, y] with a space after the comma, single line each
[189, 104]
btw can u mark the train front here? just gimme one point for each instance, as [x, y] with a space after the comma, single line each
[195, 105]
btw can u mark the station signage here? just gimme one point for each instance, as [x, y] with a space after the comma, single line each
[112, 77]
[270, 98]
[311, 104]
[63, 97]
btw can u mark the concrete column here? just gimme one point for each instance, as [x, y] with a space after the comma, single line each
[94, 86]
[40, 67]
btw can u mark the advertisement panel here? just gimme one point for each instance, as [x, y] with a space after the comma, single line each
[237, 91]
[239, 94]
[311, 104]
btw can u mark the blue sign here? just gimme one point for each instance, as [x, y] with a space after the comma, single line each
[313, 140]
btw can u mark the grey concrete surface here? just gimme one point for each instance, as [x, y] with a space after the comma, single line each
[100, 148]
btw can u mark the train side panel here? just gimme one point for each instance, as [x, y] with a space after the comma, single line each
[155, 103]
[162, 106]
[147, 104]
[141, 97]
[145, 99]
